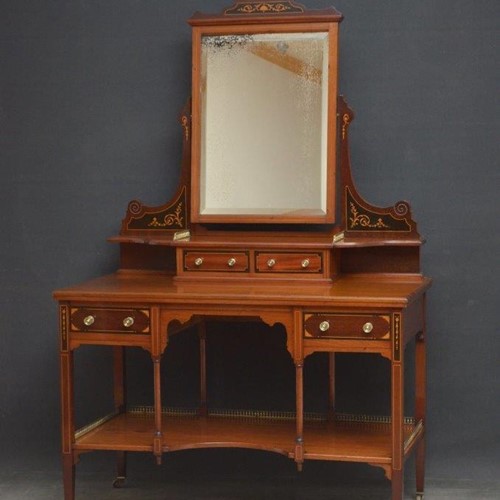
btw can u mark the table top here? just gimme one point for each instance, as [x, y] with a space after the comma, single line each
[125, 286]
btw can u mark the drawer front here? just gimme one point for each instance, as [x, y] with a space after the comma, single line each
[216, 261]
[275, 262]
[350, 326]
[110, 320]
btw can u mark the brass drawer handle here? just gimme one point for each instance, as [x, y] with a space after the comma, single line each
[324, 326]
[198, 262]
[271, 263]
[128, 321]
[368, 327]
[89, 320]
[231, 262]
[305, 263]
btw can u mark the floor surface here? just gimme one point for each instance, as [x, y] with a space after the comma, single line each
[227, 475]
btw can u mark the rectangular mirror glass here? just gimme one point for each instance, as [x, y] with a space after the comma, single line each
[264, 127]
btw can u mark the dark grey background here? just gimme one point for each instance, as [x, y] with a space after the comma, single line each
[90, 93]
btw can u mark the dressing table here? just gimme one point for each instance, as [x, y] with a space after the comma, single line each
[266, 226]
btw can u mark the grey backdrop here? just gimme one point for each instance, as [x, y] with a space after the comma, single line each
[90, 93]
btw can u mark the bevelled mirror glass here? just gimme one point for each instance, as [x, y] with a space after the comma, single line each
[264, 144]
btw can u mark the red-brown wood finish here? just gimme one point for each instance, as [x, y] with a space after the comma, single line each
[353, 287]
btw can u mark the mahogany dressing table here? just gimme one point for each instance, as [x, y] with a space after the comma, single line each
[266, 225]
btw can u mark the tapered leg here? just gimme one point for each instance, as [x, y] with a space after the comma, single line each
[67, 407]
[120, 400]
[397, 409]
[156, 353]
[157, 440]
[203, 368]
[68, 476]
[397, 484]
[299, 388]
[67, 414]
[119, 388]
[420, 409]
[420, 466]
[397, 431]
[121, 469]
[331, 385]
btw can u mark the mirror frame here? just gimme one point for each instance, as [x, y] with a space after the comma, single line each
[246, 22]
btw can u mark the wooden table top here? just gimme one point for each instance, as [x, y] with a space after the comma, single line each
[159, 288]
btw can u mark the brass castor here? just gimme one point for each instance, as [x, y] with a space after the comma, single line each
[420, 496]
[119, 482]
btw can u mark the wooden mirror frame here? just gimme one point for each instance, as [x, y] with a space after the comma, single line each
[270, 17]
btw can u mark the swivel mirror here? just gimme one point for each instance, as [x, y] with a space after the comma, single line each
[264, 115]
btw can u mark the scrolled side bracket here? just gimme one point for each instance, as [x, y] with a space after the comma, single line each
[360, 218]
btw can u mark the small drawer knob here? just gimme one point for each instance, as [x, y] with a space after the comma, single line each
[89, 320]
[128, 321]
[231, 262]
[198, 262]
[324, 326]
[271, 263]
[305, 263]
[368, 327]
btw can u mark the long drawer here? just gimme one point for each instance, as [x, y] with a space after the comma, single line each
[109, 320]
[351, 326]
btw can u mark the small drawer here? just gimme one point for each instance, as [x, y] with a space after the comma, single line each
[216, 261]
[110, 320]
[288, 262]
[350, 326]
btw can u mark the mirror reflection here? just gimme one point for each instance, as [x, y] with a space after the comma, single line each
[264, 123]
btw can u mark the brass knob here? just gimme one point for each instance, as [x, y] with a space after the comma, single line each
[324, 326]
[198, 262]
[368, 327]
[128, 321]
[271, 263]
[89, 320]
[231, 262]
[305, 263]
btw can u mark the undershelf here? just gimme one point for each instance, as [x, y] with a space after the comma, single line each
[345, 438]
